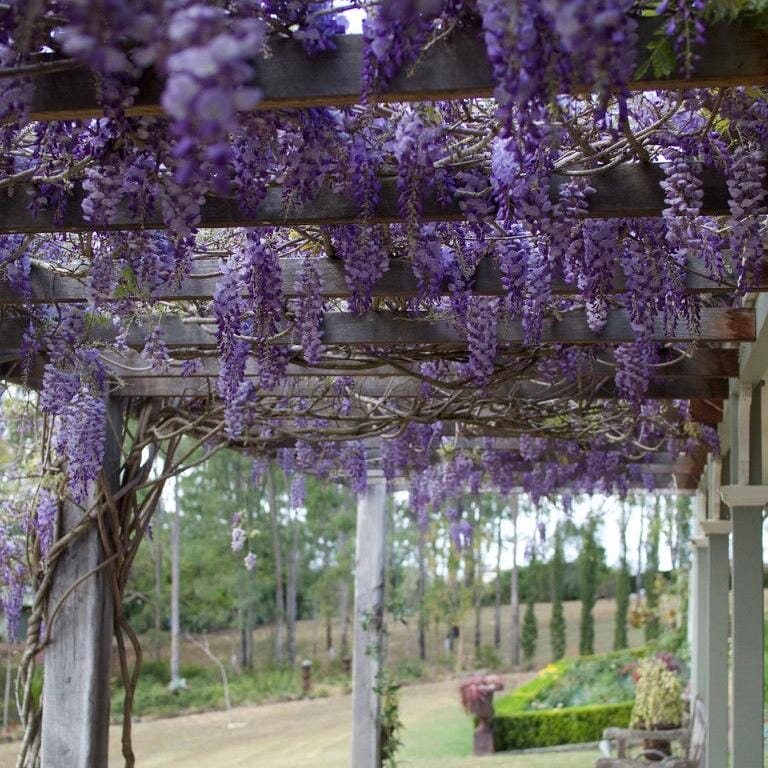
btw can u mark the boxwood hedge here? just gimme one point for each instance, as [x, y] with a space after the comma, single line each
[550, 727]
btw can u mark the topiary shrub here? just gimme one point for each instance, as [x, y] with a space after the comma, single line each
[552, 727]
[530, 634]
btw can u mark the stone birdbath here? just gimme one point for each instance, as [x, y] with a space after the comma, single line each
[477, 699]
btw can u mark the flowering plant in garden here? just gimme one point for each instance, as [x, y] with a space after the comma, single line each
[658, 696]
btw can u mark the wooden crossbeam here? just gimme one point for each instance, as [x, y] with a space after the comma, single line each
[390, 329]
[49, 287]
[628, 190]
[708, 411]
[703, 363]
[734, 54]
[408, 388]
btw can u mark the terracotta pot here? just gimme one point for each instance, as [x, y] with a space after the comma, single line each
[658, 749]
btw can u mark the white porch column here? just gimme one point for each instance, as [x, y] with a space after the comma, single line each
[698, 617]
[700, 640]
[75, 722]
[746, 499]
[696, 602]
[369, 621]
[747, 636]
[716, 655]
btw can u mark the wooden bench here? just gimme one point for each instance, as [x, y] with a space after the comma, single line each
[692, 741]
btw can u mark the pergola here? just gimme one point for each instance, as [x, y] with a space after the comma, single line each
[374, 361]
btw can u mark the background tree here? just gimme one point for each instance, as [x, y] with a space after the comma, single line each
[514, 589]
[651, 578]
[557, 622]
[589, 570]
[530, 632]
[623, 577]
[497, 523]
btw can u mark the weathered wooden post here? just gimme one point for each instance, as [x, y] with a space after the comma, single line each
[75, 721]
[306, 677]
[369, 622]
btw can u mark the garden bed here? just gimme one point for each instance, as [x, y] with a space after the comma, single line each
[569, 702]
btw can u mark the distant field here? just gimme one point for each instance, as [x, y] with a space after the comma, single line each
[403, 640]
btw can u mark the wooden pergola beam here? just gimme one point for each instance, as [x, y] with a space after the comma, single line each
[734, 54]
[391, 329]
[49, 287]
[408, 388]
[628, 190]
[703, 363]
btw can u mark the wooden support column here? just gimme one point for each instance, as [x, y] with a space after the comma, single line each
[369, 622]
[746, 501]
[75, 721]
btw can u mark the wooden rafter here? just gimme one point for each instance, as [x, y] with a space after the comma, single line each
[49, 287]
[628, 190]
[407, 388]
[734, 54]
[390, 329]
[702, 363]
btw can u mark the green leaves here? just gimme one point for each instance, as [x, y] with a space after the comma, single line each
[662, 59]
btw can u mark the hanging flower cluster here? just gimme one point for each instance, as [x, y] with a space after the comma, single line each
[523, 174]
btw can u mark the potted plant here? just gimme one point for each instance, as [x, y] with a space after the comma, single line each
[658, 703]
[477, 699]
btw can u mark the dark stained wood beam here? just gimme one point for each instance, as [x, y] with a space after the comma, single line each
[708, 411]
[49, 287]
[734, 54]
[408, 388]
[703, 363]
[628, 190]
[390, 329]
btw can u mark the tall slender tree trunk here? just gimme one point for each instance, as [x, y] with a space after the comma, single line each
[421, 586]
[497, 596]
[175, 589]
[620, 639]
[341, 546]
[477, 586]
[344, 617]
[248, 580]
[514, 592]
[640, 546]
[277, 552]
[292, 588]
[158, 557]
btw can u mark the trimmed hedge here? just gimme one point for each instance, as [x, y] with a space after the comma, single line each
[551, 727]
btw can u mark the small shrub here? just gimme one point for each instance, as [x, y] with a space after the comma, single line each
[488, 658]
[407, 670]
[156, 671]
